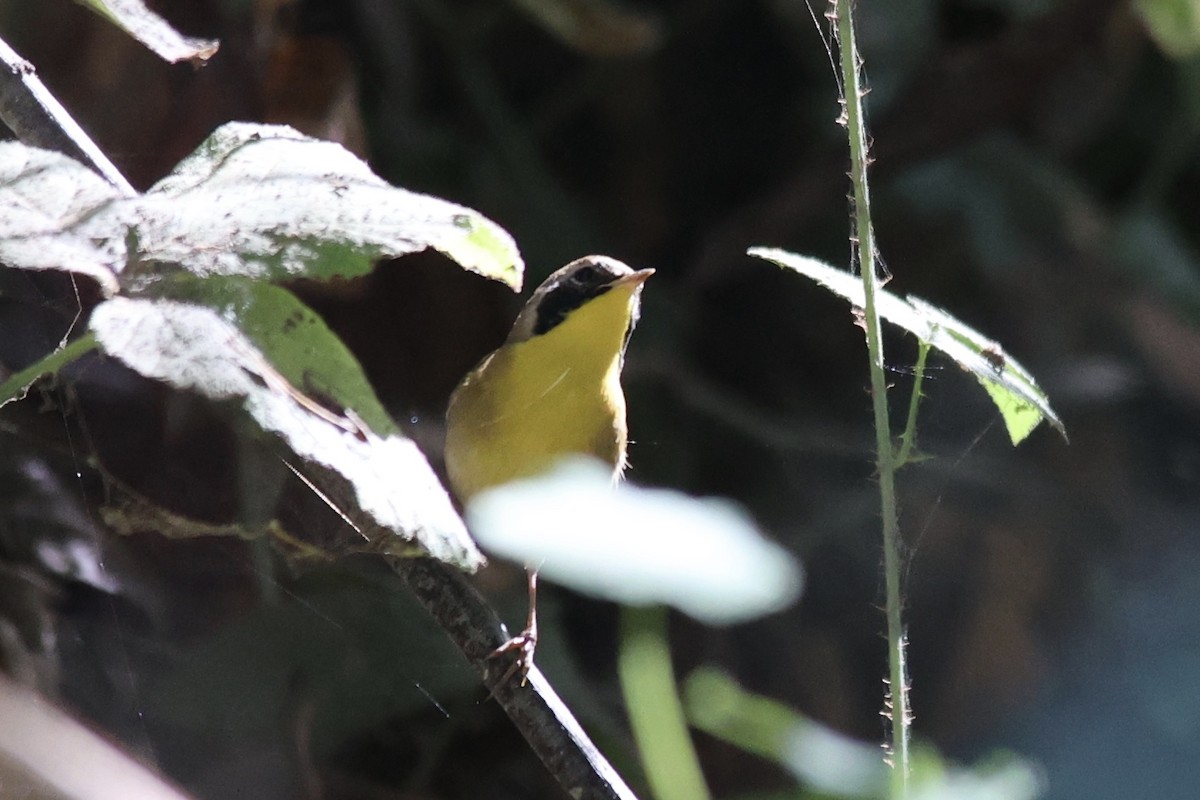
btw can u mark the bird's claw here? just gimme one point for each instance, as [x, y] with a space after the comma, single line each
[524, 645]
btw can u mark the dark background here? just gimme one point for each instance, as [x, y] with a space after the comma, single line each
[1036, 175]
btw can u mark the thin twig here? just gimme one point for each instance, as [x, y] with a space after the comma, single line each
[536, 710]
[37, 118]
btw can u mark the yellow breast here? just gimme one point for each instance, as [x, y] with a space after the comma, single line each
[531, 403]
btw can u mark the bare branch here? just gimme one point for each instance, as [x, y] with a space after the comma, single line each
[542, 718]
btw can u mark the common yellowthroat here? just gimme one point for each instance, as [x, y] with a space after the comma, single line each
[553, 389]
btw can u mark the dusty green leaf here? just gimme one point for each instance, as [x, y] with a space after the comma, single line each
[235, 343]
[267, 202]
[258, 201]
[292, 338]
[45, 196]
[1021, 402]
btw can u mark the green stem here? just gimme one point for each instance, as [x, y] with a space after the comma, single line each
[908, 439]
[897, 703]
[19, 382]
[655, 711]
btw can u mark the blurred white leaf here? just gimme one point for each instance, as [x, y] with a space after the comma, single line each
[47, 754]
[637, 546]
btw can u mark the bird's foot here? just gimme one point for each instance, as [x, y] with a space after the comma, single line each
[523, 644]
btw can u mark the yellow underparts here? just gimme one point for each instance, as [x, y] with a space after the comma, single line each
[532, 403]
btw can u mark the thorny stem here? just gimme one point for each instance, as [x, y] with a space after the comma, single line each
[30, 111]
[896, 707]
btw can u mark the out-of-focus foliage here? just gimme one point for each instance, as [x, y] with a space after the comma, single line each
[637, 546]
[1174, 24]
[1035, 171]
[258, 203]
[828, 764]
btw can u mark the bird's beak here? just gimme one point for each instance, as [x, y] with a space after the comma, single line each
[632, 280]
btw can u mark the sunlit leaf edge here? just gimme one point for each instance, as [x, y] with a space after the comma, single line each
[330, 202]
[1001, 375]
[154, 32]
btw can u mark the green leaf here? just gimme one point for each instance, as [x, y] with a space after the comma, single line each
[258, 346]
[1021, 402]
[637, 546]
[1173, 24]
[293, 339]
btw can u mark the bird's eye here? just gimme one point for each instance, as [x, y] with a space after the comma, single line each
[586, 275]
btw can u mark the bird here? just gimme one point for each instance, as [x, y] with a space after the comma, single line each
[552, 390]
